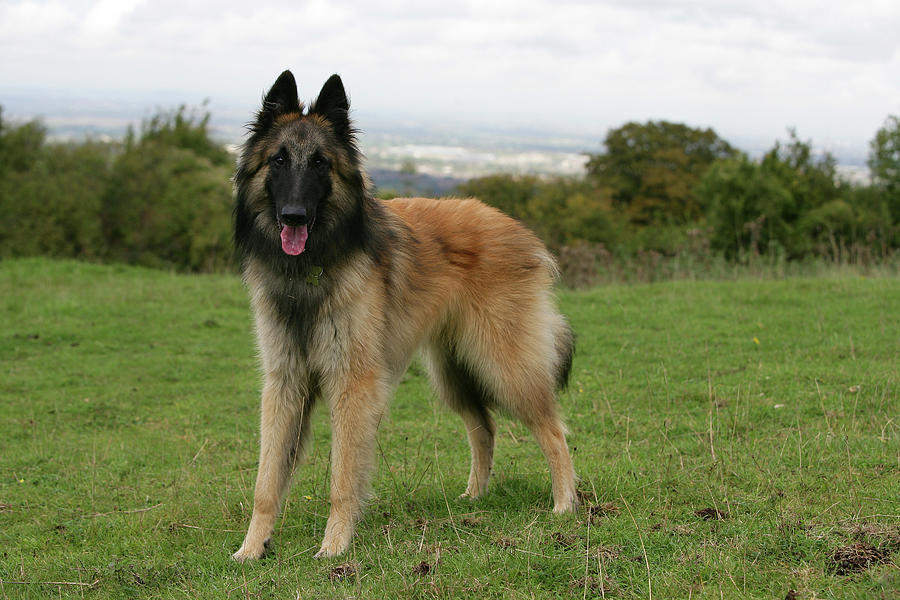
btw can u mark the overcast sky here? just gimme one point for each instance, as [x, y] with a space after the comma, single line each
[749, 69]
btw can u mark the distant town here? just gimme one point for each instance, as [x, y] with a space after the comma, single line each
[400, 155]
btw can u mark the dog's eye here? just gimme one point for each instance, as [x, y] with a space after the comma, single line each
[319, 161]
[277, 160]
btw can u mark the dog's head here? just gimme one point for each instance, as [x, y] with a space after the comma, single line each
[298, 171]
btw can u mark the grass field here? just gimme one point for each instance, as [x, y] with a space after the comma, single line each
[734, 440]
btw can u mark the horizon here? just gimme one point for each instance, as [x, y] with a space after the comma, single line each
[567, 69]
[77, 116]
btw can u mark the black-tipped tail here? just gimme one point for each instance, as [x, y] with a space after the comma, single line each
[565, 352]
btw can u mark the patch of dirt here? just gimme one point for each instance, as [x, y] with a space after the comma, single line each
[129, 574]
[505, 542]
[604, 509]
[343, 571]
[887, 536]
[472, 521]
[845, 560]
[27, 336]
[792, 595]
[596, 586]
[438, 548]
[585, 497]
[607, 553]
[711, 514]
[684, 558]
[422, 569]
[564, 540]
[792, 526]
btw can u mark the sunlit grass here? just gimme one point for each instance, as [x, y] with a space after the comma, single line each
[730, 438]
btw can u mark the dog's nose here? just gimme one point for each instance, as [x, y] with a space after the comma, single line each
[293, 216]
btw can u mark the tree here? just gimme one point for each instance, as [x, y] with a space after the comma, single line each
[408, 175]
[790, 201]
[509, 193]
[652, 169]
[50, 193]
[161, 198]
[560, 210]
[884, 161]
[747, 207]
[168, 207]
[20, 145]
[811, 180]
[184, 129]
[565, 210]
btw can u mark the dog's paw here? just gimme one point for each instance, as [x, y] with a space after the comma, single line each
[328, 551]
[325, 553]
[473, 492]
[247, 552]
[243, 555]
[568, 505]
[332, 547]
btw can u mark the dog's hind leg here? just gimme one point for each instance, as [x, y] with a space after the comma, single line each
[481, 429]
[284, 429]
[550, 434]
[456, 386]
[520, 363]
[529, 397]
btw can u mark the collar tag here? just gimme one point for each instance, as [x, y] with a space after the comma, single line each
[314, 273]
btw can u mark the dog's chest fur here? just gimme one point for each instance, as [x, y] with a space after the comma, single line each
[308, 330]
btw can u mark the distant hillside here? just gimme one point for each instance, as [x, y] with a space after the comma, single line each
[413, 184]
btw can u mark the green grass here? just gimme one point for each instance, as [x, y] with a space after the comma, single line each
[128, 446]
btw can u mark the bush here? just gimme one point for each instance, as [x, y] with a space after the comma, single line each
[50, 194]
[560, 210]
[162, 198]
[884, 161]
[168, 207]
[748, 208]
[651, 169]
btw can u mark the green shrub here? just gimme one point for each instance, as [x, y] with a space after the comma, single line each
[168, 207]
[747, 208]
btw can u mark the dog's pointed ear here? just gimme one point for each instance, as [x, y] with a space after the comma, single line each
[332, 104]
[281, 99]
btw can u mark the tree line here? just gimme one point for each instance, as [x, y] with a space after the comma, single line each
[162, 197]
[659, 186]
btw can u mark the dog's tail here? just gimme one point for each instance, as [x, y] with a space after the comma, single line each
[565, 351]
[564, 337]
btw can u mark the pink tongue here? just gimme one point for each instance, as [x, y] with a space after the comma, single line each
[293, 239]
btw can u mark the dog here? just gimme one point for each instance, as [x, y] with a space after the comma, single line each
[345, 288]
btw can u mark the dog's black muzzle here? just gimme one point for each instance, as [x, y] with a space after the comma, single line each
[293, 216]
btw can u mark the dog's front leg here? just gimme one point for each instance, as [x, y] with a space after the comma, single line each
[284, 428]
[355, 414]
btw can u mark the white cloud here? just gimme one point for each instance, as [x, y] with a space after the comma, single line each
[105, 16]
[22, 22]
[746, 68]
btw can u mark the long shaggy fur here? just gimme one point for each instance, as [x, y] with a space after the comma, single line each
[466, 285]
